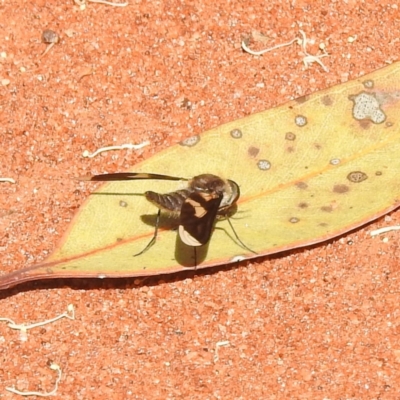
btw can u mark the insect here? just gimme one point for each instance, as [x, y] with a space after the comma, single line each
[206, 198]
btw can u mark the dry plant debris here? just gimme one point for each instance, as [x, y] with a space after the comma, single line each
[86, 153]
[307, 59]
[50, 38]
[82, 3]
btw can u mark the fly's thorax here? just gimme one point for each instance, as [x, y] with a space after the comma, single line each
[217, 187]
[208, 183]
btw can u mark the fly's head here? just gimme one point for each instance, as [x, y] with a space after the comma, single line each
[216, 187]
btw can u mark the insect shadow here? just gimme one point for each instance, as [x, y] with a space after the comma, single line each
[187, 256]
[164, 221]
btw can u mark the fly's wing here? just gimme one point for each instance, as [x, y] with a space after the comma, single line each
[171, 202]
[127, 176]
[197, 217]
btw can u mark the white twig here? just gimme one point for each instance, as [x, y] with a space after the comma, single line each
[82, 3]
[109, 148]
[307, 59]
[377, 232]
[217, 346]
[49, 46]
[11, 180]
[109, 3]
[70, 314]
[54, 367]
[261, 52]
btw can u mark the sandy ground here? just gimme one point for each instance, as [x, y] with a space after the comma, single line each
[318, 323]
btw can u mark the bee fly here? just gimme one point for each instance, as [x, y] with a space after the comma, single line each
[206, 198]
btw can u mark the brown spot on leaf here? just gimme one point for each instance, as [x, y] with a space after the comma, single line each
[290, 149]
[327, 209]
[327, 101]
[294, 220]
[357, 176]
[301, 100]
[341, 189]
[303, 205]
[290, 136]
[378, 173]
[301, 185]
[365, 124]
[253, 151]
[317, 146]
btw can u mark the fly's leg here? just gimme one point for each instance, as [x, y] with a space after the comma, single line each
[238, 238]
[153, 239]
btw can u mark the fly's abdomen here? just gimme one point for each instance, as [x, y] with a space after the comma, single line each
[171, 202]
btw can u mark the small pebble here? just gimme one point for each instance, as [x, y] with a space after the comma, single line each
[49, 36]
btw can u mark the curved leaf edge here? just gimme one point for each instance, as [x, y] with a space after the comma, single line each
[45, 270]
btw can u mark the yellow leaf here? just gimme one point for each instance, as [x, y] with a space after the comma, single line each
[308, 171]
